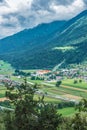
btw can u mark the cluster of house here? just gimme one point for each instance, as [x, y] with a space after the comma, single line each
[61, 74]
[6, 80]
[47, 75]
[69, 73]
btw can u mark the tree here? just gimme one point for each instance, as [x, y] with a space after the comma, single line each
[48, 118]
[25, 107]
[79, 122]
[58, 83]
[9, 119]
[33, 78]
[82, 106]
[80, 81]
[75, 81]
[30, 114]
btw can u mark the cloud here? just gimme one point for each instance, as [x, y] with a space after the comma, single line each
[85, 1]
[16, 15]
[1, 1]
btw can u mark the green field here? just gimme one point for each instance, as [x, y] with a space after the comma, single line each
[2, 91]
[62, 91]
[70, 82]
[35, 81]
[5, 68]
[69, 111]
[47, 99]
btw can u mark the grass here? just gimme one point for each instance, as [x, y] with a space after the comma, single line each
[34, 70]
[15, 78]
[35, 81]
[69, 111]
[70, 82]
[74, 92]
[47, 99]
[2, 95]
[66, 48]
[63, 91]
[65, 111]
[2, 91]
[54, 91]
[5, 68]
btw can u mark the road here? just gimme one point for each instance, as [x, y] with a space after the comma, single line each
[41, 93]
[52, 95]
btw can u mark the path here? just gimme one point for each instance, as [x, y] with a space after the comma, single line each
[3, 99]
[82, 90]
[65, 97]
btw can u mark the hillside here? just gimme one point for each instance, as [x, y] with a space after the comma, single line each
[23, 49]
[74, 31]
[30, 38]
[48, 44]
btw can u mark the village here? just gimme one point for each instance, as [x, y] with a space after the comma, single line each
[58, 83]
[47, 75]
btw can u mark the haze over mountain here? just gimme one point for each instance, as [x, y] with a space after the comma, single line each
[47, 44]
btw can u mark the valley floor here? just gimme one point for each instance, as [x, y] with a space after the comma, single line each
[68, 91]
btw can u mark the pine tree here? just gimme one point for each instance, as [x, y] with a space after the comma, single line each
[30, 114]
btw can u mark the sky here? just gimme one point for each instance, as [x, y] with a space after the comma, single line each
[16, 15]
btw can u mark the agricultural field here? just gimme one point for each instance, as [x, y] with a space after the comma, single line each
[69, 111]
[2, 92]
[68, 90]
[70, 82]
[65, 92]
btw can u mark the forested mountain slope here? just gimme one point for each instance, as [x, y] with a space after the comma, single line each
[48, 44]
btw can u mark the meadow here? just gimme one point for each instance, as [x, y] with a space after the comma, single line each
[69, 111]
[68, 89]
[70, 82]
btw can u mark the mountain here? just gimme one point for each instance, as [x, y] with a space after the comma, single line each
[73, 39]
[47, 44]
[20, 49]
[29, 38]
[74, 31]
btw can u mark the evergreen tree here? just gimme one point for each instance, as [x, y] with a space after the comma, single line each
[48, 118]
[79, 122]
[30, 114]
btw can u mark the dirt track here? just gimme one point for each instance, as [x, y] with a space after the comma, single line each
[72, 96]
[82, 90]
[3, 99]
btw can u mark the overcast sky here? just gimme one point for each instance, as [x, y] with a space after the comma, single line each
[16, 15]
